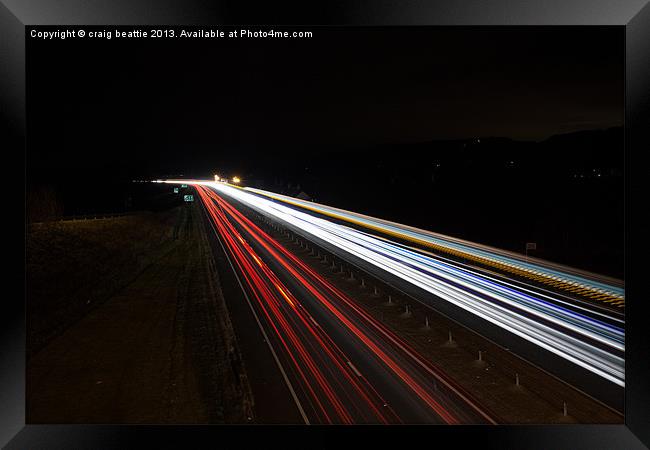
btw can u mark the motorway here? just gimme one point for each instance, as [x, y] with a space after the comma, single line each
[343, 366]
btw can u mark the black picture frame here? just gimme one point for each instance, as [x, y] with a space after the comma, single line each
[634, 15]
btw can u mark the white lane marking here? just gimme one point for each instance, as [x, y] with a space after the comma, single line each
[354, 368]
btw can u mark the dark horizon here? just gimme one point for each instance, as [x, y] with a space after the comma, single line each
[125, 106]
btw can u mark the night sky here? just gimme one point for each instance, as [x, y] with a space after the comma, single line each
[153, 106]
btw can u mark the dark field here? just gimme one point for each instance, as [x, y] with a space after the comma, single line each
[127, 324]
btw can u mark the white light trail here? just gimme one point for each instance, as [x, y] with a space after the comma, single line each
[543, 323]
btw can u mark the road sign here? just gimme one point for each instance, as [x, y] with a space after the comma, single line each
[531, 245]
[183, 185]
[188, 198]
[175, 190]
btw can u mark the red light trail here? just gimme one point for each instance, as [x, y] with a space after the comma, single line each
[330, 382]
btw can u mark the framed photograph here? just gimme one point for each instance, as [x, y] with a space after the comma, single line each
[393, 224]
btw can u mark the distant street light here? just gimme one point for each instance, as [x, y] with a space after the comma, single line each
[236, 180]
[217, 177]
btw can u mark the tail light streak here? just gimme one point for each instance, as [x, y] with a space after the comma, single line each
[341, 397]
[321, 289]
